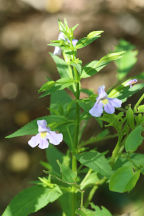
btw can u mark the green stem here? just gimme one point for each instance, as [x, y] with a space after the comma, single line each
[86, 176]
[138, 103]
[91, 194]
[93, 190]
[97, 139]
[76, 140]
[82, 196]
[115, 151]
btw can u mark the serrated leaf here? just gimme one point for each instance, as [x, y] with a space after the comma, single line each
[31, 200]
[134, 139]
[96, 161]
[123, 179]
[101, 211]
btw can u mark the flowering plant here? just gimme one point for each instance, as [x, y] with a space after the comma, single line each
[73, 176]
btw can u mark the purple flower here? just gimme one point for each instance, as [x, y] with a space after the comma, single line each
[44, 136]
[104, 102]
[131, 82]
[57, 50]
[74, 42]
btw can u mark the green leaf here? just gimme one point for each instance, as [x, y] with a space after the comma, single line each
[66, 203]
[53, 154]
[123, 92]
[31, 200]
[91, 180]
[48, 88]
[123, 179]
[98, 211]
[137, 160]
[53, 86]
[130, 117]
[67, 174]
[95, 66]
[96, 161]
[134, 139]
[126, 63]
[86, 104]
[140, 108]
[31, 128]
[101, 136]
[61, 65]
[65, 83]
[88, 39]
[62, 104]
[85, 212]
[114, 120]
[101, 211]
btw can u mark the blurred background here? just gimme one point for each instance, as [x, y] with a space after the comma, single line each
[26, 27]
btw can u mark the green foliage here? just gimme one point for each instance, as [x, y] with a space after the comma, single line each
[123, 92]
[62, 105]
[32, 128]
[140, 109]
[95, 66]
[98, 211]
[123, 179]
[92, 179]
[53, 154]
[91, 37]
[130, 118]
[96, 161]
[134, 139]
[129, 59]
[68, 175]
[31, 200]
[73, 175]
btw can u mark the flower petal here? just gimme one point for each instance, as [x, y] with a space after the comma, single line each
[115, 102]
[57, 51]
[74, 42]
[43, 143]
[131, 82]
[108, 108]
[34, 141]
[97, 109]
[42, 126]
[101, 92]
[54, 138]
[61, 36]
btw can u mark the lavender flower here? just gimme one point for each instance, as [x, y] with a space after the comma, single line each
[104, 102]
[74, 42]
[44, 136]
[131, 82]
[57, 50]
